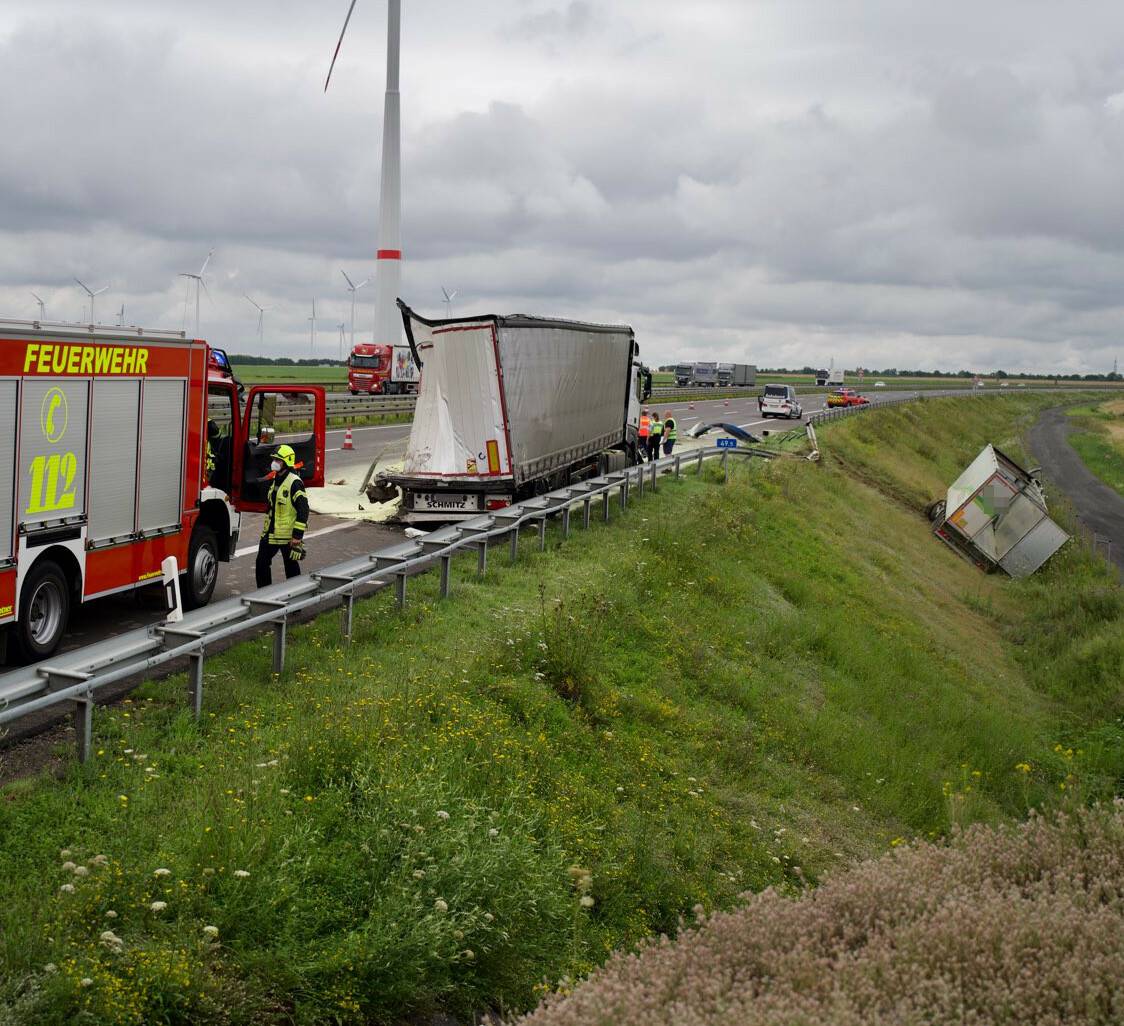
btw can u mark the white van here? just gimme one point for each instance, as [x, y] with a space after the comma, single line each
[780, 401]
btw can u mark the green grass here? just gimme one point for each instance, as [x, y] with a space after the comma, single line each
[334, 378]
[1100, 440]
[727, 688]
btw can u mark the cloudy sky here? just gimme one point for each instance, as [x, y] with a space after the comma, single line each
[779, 182]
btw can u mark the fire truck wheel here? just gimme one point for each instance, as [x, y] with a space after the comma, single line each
[202, 571]
[44, 610]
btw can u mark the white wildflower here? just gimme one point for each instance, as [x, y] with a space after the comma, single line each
[493, 832]
[241, 874]
[285, 790]
[100, 860]
[81, 871]
[158, 906]
[85, 982]
[65, 853]
[111, 940]
[488, 917]
[419, 874]
[441, 905]
[161, 872]
[469, 954]
[110, 914]
[442, 814]
[67, 888]
[586, 901]
[50, 967]
[211, 931]
[69, 867]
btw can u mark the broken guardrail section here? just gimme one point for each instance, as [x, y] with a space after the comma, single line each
[995, 517]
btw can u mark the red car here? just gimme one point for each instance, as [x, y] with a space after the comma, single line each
[846, 397]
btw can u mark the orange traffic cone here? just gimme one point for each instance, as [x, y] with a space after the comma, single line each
[347, 443]
[726, 403]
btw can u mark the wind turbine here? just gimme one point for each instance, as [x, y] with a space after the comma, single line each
[353, 288]
[341, 327]
[312, 329]
[449, 297]
[121, 317]
[388, 274]
[199, 283]
[261, 318]
[42, 307]
[91, 294]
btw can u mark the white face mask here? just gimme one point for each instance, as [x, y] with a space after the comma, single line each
[276, 465]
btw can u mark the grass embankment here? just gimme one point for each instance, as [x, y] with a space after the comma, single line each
[1100, 440]
[728, 688]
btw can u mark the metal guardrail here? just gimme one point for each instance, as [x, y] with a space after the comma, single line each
[336, 406]
[74, 678]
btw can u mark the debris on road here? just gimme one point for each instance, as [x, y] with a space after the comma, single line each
[700, 429]
[995, 516]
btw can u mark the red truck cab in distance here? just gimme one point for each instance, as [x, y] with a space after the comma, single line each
[105, 439]
[376, 369]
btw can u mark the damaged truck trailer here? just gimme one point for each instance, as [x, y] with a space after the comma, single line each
[511, 407]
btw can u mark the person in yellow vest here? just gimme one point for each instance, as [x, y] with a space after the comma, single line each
[286, 520]
[670, 433]
[212, 441]
[645, 430]
[654, 433]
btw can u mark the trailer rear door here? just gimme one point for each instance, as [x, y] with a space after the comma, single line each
[460, 423]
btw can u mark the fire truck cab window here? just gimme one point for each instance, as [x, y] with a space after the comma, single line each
[222, 411]
[275, 420]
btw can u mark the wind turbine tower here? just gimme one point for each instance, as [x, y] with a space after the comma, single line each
[353, 288]
[449, 297]
[92, 294]
[312, 329]
[341, 327]
[199, 284]
[388, 269]
[261, 319]
[42, 307]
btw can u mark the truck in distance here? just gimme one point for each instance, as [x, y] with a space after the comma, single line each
[696, 375]
[736, 375]
[381, 370]
[831, 378]
[104, 438]
[511, 407]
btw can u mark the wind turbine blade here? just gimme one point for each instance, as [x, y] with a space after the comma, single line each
[84, 285]
[453, 295]
[365, 281]
[350, 283]
[445, 293]
[37, 299]
[104, 288]
[343, 32]
[199, 278]
[206, 262]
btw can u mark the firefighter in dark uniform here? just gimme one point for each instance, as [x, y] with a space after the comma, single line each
[286, 520]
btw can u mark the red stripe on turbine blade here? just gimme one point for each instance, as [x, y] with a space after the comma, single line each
[389, 254]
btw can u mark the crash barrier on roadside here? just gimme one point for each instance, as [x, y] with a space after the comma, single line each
[74, 678]
[341, 406]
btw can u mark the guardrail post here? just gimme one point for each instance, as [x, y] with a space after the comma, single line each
[565, 521]
[624, 491]
[677, 459]
[280, 628]
[347, 615]
[514, 537]
[698, 462]
[726, 466]
[655, 473]
[587, 504]
[445, 561]
[482, 557]
[195, 683]
[84, 726]
[400, 590]
[542, 534]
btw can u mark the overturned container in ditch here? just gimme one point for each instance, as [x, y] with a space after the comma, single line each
[995, 516]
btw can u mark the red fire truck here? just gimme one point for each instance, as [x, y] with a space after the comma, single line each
[103, 467]
[381, 370]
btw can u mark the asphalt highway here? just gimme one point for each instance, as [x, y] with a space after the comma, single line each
[331, 540]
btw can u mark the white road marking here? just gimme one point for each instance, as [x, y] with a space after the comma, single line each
[311, 534]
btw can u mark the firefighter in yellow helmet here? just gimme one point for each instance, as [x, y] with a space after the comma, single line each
[286, 520]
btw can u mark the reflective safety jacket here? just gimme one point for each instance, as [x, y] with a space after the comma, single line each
[657, 426]
[645, 425]
[210, 462]
[669, 431]
[288, 509]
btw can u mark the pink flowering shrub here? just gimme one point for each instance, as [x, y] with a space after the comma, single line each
[1019, 925]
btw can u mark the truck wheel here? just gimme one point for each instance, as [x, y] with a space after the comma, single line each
[354, 391]
[44, 610]
[202, 571]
